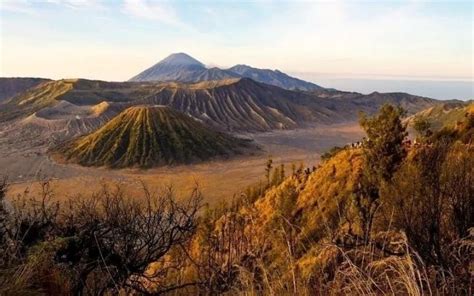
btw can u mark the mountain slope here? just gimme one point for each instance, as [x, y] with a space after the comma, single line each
[183, 68]
[80, 92]
[10, 87]
[444, 115]
[315, 197]
[275, 77]
[34, 99]
[244, 105]
[232, 105]
[150, 136]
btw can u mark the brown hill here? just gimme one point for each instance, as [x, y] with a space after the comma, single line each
[151, 136]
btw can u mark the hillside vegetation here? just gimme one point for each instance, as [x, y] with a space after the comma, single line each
[151, 136]
[444, 115]
[385, 218]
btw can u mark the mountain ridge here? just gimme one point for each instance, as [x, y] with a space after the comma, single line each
[12, 86]
[182, 67]
[240, 104]
[274, 77]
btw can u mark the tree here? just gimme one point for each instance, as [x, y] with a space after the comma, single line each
[383, 153]
[384, 149]
[278, 175]
[430, 199]
[268, 170]
[282, 172]
[115, 238]
[422, 126]
[329, 154]
[293, 168]
[102, 243]
[3, 222]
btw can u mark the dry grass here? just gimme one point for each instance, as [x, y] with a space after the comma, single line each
[218, 180]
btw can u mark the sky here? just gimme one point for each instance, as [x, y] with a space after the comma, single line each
[327, 40]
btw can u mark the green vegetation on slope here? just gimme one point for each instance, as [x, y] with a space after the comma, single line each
[151, 136]
[444, 115]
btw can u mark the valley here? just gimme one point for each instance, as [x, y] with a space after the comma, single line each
[218, 180]
[85, 133]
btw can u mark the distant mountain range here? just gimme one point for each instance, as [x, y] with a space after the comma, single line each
[274, 77]
[184, 68]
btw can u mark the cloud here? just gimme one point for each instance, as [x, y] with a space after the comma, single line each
[79, 4]
[161, 12]
[28, 6]
[22, 6]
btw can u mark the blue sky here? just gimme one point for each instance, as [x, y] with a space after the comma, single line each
[114, 40]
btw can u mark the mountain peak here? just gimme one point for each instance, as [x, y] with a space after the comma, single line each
[183, 68]
[182, 59]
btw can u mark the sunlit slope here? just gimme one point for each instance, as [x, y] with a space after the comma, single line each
[243, 104]
[26, 103]
[10, 87]
[312, 201]
[79, 92]
[151, 136]
[445, 115]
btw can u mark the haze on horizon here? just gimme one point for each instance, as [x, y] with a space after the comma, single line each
[319, 41]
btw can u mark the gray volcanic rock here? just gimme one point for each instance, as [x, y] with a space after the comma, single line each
[238, 104]
[274, 77]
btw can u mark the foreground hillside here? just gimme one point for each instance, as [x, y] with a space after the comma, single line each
[384, 218]
[151, 136]
[387, 218]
